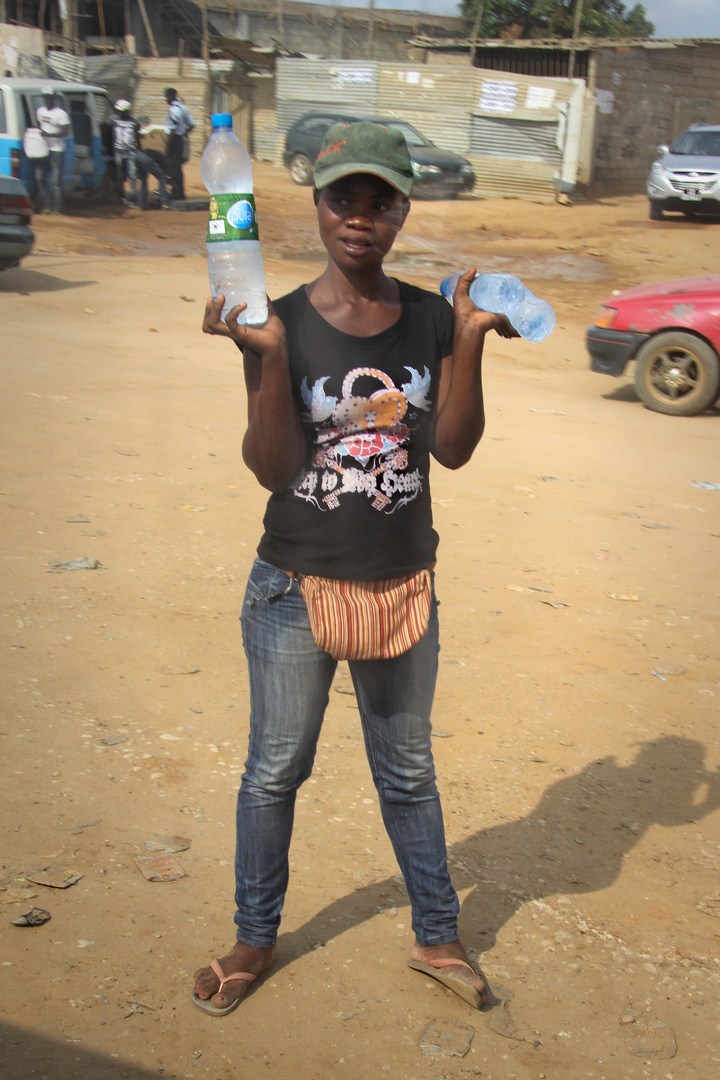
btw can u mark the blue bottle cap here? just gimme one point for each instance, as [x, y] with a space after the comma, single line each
[222, 119]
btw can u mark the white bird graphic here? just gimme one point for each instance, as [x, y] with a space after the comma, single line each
[417, 390]
[319, 404]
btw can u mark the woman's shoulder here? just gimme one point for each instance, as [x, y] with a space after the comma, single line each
[432, 305]
[291, 302]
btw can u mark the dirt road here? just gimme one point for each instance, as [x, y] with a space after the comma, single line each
[575, 720]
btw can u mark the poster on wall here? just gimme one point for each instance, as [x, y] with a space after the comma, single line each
[356, 76]
[498, 96]
[539, 97]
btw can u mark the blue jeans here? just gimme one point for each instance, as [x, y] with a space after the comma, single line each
[48, 177]
[125, 167]
[145, 165]
[290, 680]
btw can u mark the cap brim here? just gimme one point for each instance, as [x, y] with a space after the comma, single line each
[330, 174]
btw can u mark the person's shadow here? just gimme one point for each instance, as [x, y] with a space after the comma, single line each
[574, 841]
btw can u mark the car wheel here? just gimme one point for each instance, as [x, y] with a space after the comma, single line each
[301, 169]
[656, 211]
[677, 374]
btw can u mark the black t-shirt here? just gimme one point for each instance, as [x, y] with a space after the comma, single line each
[360, 508]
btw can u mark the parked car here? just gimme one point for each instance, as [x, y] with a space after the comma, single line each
[672, 332]
[686, 177]
[438, 173]
[16, 236]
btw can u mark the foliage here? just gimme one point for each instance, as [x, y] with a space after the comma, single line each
[554, 18]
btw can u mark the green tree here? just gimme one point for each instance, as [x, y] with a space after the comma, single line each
[555, 18]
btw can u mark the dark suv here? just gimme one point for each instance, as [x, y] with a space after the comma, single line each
[439, 174]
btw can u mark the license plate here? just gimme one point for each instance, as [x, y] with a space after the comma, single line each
[691, 195]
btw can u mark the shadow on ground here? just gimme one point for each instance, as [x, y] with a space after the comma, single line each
[25, 1054]
[27, 282]
[574, 841]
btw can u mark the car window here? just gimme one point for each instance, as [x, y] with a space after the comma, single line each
[318, 125]
[412, 137]
[698, 144]
[3, 121]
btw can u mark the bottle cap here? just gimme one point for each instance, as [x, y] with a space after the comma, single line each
[222, 119]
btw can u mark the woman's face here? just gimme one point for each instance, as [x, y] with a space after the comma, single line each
[359, 217]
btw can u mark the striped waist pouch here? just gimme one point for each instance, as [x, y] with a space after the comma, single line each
[367, 620]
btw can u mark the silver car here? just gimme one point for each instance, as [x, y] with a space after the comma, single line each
[686, 178]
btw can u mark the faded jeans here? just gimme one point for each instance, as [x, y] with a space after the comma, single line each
[145, 165]
[48, 177]
[125, 167]
[290, 680]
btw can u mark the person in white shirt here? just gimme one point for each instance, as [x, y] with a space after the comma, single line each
[126, 144]
[54, 123]
[178, 123]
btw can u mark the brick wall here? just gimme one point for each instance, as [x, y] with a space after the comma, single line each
[645, 97]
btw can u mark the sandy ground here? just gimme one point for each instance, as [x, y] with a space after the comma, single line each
[576, 733]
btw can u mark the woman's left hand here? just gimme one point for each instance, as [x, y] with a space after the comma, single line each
[262, 339]
[466, 314]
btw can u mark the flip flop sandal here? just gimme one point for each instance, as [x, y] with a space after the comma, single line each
[453, 982]
[205, 1003]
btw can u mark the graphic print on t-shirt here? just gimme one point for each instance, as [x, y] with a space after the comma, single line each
[361, 439]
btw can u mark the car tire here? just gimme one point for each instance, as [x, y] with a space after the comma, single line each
[301, 169]
[656, 210]
[677, 374]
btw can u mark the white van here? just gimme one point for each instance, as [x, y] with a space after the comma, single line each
[89, 108]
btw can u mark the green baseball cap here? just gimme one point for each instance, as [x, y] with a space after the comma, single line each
[364, 148]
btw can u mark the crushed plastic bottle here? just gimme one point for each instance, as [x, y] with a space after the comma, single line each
[505, 294]
[235, 262]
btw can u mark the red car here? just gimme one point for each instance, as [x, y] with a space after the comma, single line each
[672, 332]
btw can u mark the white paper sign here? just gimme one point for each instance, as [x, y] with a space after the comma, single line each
[605, 101]
[362, 76]
[539, 97]
[498, 96]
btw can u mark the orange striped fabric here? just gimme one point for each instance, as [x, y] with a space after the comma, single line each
[367, 620]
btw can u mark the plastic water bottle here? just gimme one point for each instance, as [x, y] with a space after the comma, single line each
[505, 294]
[235, 263]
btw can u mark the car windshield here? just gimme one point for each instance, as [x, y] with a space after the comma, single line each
[698, 144]
[412, 137]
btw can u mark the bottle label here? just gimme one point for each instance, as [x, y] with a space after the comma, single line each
[232, 217]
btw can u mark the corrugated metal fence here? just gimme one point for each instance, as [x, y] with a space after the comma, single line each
[510, 126]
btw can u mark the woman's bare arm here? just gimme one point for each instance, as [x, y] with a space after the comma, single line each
[274, 447]
[459, 417]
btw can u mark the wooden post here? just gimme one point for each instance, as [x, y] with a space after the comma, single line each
[281, 24]
[148, 28]
[101, 20]
[371, 30]
[479, 12]
[205, 51]
[575, 36]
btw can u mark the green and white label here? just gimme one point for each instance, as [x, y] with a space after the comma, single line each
[232, 217]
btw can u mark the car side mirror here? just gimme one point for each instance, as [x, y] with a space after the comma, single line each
[663, 149]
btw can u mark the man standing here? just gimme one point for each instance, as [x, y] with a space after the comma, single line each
[54, 123]
[178, 123]
[125, 146]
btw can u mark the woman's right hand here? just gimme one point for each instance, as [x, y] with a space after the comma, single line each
[262, 340]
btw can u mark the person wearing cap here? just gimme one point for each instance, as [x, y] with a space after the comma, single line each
[126, 144]
[178, 124]
[54, 123]
[353, 383]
